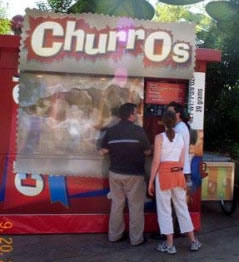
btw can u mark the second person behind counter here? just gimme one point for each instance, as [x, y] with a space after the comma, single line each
[182, 128]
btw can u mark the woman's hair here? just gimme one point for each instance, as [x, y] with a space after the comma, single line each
[169, 119]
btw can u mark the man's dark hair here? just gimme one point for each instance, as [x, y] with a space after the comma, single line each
[126, 110]
[178, 109]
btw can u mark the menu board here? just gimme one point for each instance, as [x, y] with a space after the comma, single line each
[164, 93]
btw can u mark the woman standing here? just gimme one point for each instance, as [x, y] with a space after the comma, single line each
[167, 168]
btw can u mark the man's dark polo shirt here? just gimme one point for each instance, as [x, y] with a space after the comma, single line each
[126, 143]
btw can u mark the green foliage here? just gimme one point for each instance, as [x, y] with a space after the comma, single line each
[4, 26]
[235, 150]
[222, 10]
[226, 15]
[132, 8]
[4, 23]
[140, 9]
[167, 13]
[57, 6]
[180, 2]
[222, 122]
[222, 89]
[83, 6]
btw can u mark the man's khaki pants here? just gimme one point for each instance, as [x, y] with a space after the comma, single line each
[133, 188]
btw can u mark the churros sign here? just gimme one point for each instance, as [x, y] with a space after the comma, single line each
[97, 44]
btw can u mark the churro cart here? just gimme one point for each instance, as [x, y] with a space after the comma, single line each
[61, 85]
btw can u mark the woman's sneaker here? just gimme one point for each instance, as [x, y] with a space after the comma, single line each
[163, 247]
[196, 245]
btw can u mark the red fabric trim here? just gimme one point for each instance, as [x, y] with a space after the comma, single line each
[69, 223]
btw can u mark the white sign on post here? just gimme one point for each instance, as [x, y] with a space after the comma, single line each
[197, 100]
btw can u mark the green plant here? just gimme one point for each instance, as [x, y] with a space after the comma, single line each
[4, 22]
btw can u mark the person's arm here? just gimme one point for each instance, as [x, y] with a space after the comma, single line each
[103, 151]
[147, 152]
[182, 156]
[155, 163]
[146, 144]
[104, 145]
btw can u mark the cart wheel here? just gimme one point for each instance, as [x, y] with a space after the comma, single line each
[228, 206]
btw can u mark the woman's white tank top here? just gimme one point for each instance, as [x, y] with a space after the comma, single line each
[171, 151]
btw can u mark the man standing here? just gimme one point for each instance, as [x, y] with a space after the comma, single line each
[127, 145]
[182, 129]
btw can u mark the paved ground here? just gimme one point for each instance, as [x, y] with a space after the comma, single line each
[219, 235]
